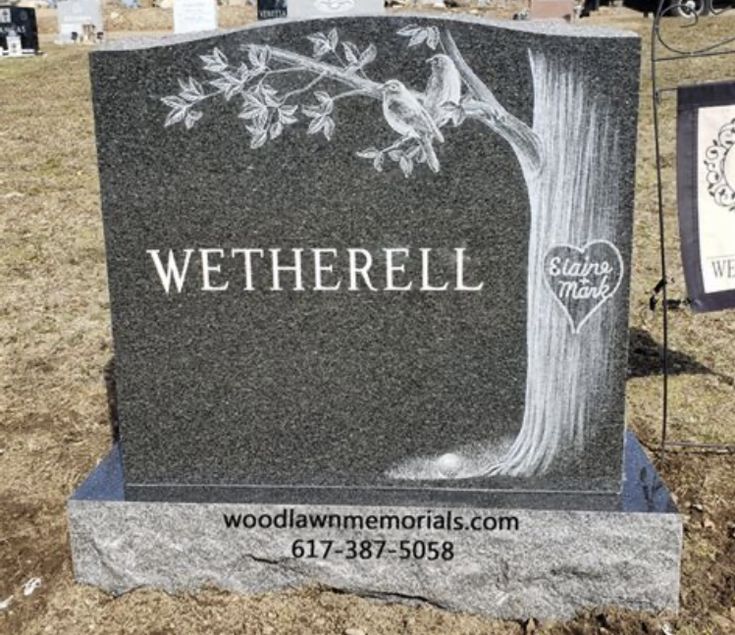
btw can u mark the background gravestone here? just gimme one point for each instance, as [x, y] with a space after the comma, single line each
[280, 138]
[269, 9]
[22, 22]
[75, 17]
[195, 15]
[333, 8]
[550, 9]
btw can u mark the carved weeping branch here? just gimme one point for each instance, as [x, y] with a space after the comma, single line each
[484, 107]
[268, 113]
[487, 109]
[367, 86]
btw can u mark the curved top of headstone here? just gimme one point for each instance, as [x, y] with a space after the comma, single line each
[541, 27]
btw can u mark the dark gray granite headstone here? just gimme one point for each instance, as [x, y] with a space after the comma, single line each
[22, 22]
[459, 196]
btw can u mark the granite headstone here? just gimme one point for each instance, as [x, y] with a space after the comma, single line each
[270, 9]
[457, 323]
[379, 262]
[20, 22]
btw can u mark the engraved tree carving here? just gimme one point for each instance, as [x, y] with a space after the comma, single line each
[572, 139]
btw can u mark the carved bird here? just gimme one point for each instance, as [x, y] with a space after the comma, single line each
[405, 114]
[443, 88]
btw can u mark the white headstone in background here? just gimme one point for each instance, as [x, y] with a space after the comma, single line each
[80, 17]
[195, 15]
[14, 46]
[333, 8]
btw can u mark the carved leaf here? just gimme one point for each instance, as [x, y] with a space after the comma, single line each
[417, 154]
[395, 155]
[418, 34]
[351, 52]
[276, 129]
[191, 91]
[333, 38]
[326, 103]
[328, 128]
[406, 165]
[262, 119]
[191, 118]
[252, 99]
[369, 153]
[409, 30]
[270, 96]
[228, 85]
[174, 101]
[249, 113]
[287, 115]
[321, 44]
[453, 112]
[417, 38]
[221, 84]
[174, 117]
[258, 56]
[216, 62]
[315, 125]
[368, 55]
[259, 139]
[374, 154]
[432, 38]
[221, 57]
[311, 112]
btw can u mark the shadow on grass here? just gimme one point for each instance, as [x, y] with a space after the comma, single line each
[644, 359]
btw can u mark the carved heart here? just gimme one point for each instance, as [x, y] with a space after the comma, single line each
[582, 280]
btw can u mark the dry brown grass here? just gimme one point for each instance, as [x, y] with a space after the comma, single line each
[118, 18]
[54, 330]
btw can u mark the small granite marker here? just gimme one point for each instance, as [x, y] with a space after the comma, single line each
[18, 31]
[270, 9]
[369, 285]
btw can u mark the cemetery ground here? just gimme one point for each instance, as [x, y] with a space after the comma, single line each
[56, 341]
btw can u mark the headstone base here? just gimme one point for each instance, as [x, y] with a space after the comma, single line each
[554, 564]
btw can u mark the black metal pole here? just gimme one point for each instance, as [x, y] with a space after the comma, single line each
[662, 232]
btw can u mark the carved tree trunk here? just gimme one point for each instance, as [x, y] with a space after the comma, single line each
[572, 199]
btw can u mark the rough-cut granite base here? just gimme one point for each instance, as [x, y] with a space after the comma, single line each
[555, 564]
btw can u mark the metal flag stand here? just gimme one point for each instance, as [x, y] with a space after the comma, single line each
[664, 52]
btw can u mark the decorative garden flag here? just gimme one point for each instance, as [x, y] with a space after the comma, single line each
[706, 188]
